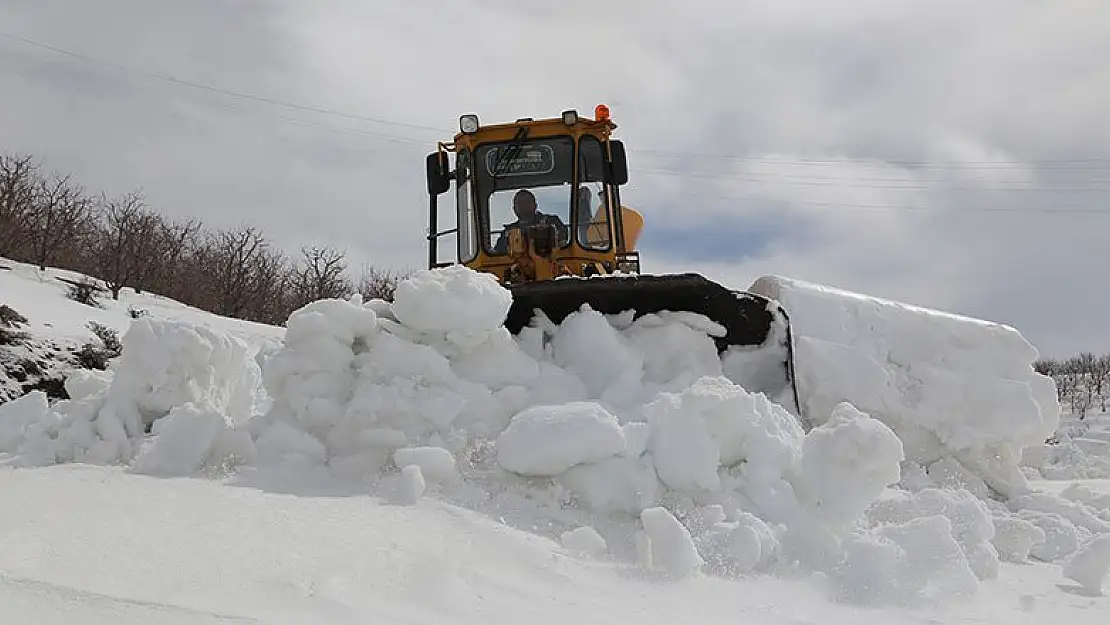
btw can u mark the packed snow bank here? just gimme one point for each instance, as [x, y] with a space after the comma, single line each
[57, 327]
[630, 427]
[1079, 450]
[950, 386]
[188, 385]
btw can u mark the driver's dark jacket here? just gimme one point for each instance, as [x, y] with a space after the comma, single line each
[541, 218]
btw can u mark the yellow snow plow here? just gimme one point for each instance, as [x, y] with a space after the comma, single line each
[537, 204]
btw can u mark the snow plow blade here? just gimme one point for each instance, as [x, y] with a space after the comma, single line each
[757, 329]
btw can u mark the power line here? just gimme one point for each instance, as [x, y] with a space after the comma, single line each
[824, 162]
[659, 152]
[855, 182]
[760, 177]
[213, 89]
[766, 199]
[297, 121]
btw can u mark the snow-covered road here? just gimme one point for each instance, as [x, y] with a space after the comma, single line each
[97, 545]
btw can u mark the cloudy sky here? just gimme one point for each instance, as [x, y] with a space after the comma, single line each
[950, 154]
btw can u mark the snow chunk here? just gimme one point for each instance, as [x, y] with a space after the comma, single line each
[619, 484]
[1090, 565]
[913, 562]
[453, 299]
[1061, 537]
[969, 520]
[676, 349]
[1015, 537]
[740, 545]
[848, 462]
[716, 423]
[685, 456]
[19, 414]
[284, 444]
[497, 362]
[548, 440]
[412, 485]
[672, 548]
[1074, 511]
[183, 439]
[435, 463]
[583, 541]
[586, 345]
[1087, 496]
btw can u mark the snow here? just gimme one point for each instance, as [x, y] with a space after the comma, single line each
[182, 380]
[584, 541]
[412, 485]
[1090, 565]
[548, 440]
[735, 546]
[234, 550]
[474, 303]
[904, 564]
[850, 448]
[969, 520]
[58, 326]
[950, 386]
[434, 462]
[373, 432]
[1073, 456]
[670, 548]
[40, 297]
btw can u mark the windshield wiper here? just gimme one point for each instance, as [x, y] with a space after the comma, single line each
[513, 149]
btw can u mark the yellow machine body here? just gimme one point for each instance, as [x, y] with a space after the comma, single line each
[550, 259]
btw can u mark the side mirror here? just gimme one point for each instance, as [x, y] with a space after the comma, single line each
[439, 173]
[618, 168]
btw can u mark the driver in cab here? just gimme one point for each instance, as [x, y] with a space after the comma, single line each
[527, 214]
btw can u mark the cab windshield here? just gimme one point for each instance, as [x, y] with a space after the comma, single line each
[528, 182]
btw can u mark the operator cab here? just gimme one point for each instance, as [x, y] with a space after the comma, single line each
[525, 184]
[531, 193]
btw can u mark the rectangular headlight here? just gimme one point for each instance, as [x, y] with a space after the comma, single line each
[570, 118]
[468, 124]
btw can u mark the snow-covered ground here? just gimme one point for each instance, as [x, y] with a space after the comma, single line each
[57, 326]
[40, 296]
[1080, 449]
[415, 463]
[97, 545]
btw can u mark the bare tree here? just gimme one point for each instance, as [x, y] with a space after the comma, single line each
[1100, 380]
[234, 272]
[145, 248]
[271, 285]
[175, 242]
[61, 214]
[377, 283]
[1084, 366]
[1047, 366]
[236, 261]
[320, 274]
[115, 248]
[1073, 384]
[18, 176]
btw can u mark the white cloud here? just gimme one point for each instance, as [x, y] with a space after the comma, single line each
[865, 87]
